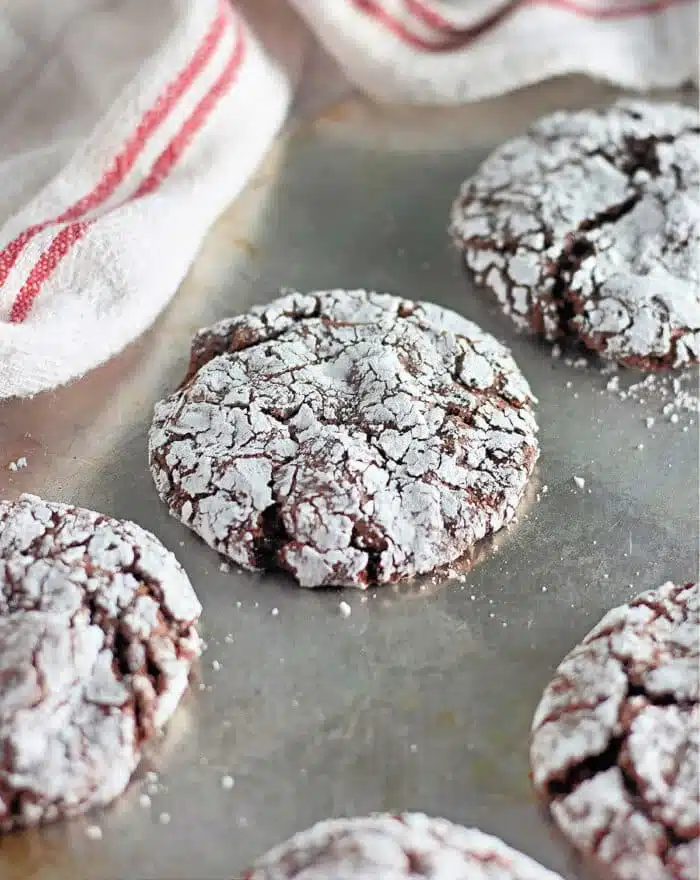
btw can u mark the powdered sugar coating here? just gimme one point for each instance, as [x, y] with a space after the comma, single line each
[410, 845]
[589, 225]
[347, 437]
[96, 641]
[616, 738]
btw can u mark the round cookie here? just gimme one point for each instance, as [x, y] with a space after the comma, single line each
[616, 739]
[589, 225]
[97, 636]
[347, 437]
[401, 847]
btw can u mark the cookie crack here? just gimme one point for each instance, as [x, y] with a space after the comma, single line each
[558, 789]
[577, 248]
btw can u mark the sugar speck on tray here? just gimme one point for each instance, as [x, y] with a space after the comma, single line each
[580, 482]
[275, 612]
[215, 665]
[18, 465]
[225, 567]
[164, 818]
[674, 418]
[649, 421]
[94, 832]
[345, 609]
[227, 782]
[144, 801]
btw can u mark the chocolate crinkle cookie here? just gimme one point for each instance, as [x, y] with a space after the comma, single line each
[349, 438]
[97, 635]
[616, 739]
[410, 846]
[589, 226]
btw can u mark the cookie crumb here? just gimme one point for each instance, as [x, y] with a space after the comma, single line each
[580, 482]
[215, 665]
[225, 567]
[164, 818]
[227, 782]
[345, 609]
[93, 832]
[649, 421]
[674, 418]
[144, 801]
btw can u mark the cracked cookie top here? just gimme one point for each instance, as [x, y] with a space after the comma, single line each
[97, 635]
[616, 739]
[410, 846]
[348, 437]
[589, 225]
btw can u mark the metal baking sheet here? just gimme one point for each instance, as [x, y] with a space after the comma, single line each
[422, 698]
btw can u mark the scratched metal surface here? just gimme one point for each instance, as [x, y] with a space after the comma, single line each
[419, 700]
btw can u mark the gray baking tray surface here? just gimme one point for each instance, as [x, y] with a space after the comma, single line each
[422, 698]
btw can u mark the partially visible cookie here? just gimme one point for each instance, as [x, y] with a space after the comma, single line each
[347, 437]
[410, 846]
[97, 636]
[616, 739]
[589, 225]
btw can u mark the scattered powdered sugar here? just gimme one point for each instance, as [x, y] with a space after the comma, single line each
[406, 845]
[673, 397]
[347, 437]
[97, 627]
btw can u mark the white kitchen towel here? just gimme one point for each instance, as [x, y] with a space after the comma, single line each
[127, 126]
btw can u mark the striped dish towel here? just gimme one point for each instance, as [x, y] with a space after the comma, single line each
[127, 126]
